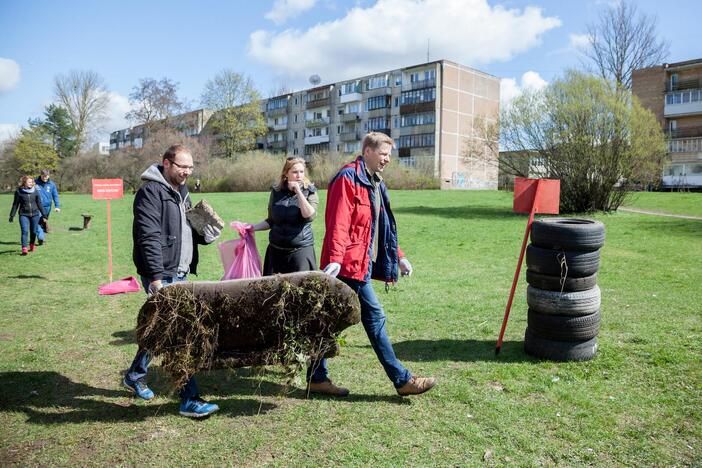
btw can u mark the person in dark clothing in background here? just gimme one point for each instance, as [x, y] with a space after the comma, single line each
[292, 206]
[28, 203]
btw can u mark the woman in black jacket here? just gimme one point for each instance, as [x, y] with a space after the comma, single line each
[28, 203]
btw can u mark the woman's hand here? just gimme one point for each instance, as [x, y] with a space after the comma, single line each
[294, 186]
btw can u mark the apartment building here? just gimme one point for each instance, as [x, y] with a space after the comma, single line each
[673, 92]
[190, 123]
[428, 109]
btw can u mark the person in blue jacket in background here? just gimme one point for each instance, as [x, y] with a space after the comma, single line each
[48, 193]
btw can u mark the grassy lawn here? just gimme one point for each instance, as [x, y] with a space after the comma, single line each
[64, 349]
[667, 202]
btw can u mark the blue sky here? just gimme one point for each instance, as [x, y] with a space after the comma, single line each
[282, 42]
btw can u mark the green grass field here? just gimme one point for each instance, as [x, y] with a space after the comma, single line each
[64, 349]
[667, 202]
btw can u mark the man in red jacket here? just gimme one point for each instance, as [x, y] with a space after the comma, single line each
[360, 244]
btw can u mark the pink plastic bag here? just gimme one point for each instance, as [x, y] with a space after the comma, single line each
[240, 257]
[125, 285]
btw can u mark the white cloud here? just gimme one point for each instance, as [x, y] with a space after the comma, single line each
[510, 89]
[285, 9]
[117, 107]
[9, 74]
[579, 41]
[8, 131]
[394, 33]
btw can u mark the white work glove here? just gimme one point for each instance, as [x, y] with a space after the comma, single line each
[332, 269]
[405, 267]
[211, 233]
[154, 286]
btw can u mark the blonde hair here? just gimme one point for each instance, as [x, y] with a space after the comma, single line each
[289, 163]
[23, 180]
[374, 139]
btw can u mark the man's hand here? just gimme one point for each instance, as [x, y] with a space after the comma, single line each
[10, 219]
[405, 267]
[154, 286]
[57, 209]
[332, 269]
[211, 233]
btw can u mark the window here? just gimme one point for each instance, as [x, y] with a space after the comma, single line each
[419, 95]
[398, 79]
[673, 125]
[296, 104]
[378, 123]
[416, 141]
[377, 102]
[377, 82]
[348, 88]
[294, 150]
[295, 118]
[397, 100]
[295, 133]
[422, 118]
[673, 81]
[353, 108]
[277, 103]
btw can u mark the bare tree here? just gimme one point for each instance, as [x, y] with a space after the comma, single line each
[83, 94]
[622, 41]
[154, 100]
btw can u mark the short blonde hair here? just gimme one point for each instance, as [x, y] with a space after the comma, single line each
[289, 163]
[374, 139]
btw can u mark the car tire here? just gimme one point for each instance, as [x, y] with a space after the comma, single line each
[568, 263]
[559, 350]
[563, 327]
[574, 304]
[568, 234]
[555, 283]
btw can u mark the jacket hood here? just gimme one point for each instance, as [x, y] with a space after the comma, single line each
[153, 173]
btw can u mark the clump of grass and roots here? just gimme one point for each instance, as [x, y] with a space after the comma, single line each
[199, 326]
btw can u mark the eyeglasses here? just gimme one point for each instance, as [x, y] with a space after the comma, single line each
[181, 166]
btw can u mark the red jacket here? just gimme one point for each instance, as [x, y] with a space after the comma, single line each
[349, 221]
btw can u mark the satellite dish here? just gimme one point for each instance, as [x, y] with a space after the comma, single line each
[315, 80]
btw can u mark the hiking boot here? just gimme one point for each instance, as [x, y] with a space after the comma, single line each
[416, 385]
[24, 251]
[138, 388]
[31, 247]
[327, 388]
[197, 408]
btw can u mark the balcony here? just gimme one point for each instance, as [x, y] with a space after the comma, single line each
[415, 107]
[417, 129]
[679, 103]
[685, 145]
[280, 144]
[430, 83]
[277, 126]
[689, 132]
[350, 97]
[326, 101]
[313, 123]
[693, 83]
[381, 112]
[350, 136]
[317, 139]
[350, 117]
[382, 91]
[277, 112]
[380, 130]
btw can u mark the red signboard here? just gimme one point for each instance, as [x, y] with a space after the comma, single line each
[525, 191]
[107, 189]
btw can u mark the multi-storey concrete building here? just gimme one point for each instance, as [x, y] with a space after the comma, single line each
[190, 123]
[428, 109]
[673, 92]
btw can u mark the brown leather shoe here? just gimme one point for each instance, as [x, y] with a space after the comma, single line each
[327, 388]
[416, 385]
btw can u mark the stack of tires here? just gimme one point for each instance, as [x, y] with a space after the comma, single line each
[563, 297]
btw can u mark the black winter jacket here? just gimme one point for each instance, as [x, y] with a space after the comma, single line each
[289, 229]
[28, 204]
[156, 231]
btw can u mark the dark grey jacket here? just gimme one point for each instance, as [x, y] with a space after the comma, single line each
[289, 229]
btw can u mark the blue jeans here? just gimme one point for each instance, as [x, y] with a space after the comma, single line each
[141, 361]
[40, 231]
[28, 225]
[373, 320]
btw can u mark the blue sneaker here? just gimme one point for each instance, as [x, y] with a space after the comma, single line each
[197, 408]
[138, 388]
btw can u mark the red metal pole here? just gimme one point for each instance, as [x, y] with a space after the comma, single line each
[109, 241]
[519, 267]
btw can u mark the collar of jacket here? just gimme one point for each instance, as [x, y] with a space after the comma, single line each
[361, 172]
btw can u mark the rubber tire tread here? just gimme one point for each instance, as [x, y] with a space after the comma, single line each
[547, 261]
[559, 350]
[568, 234]
[574, 304]
[553, 283]
[563, 327]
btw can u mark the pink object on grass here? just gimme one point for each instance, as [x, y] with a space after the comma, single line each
[125, 285]
[240, 257]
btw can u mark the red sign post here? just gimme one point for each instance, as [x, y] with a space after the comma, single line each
[108, 189]
[530, 196]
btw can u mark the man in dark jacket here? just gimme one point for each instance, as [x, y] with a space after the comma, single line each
[48, 193]
[165, 251]
[360, 244]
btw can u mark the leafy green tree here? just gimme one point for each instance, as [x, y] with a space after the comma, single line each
[591, 134]
[57, 124]
[238, 119]
[33, 152]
